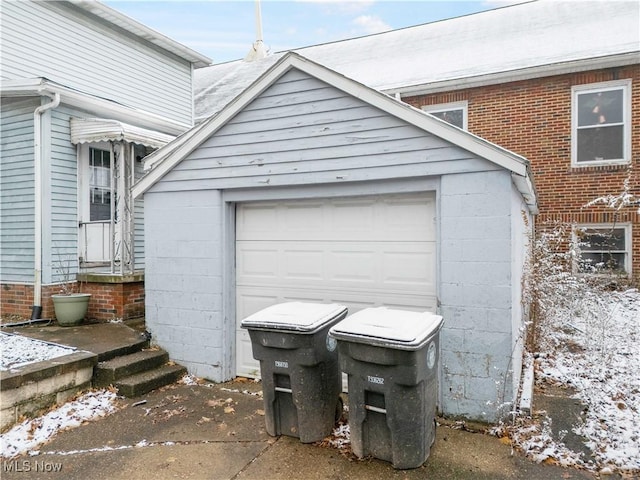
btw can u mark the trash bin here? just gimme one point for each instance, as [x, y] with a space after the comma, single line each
[301, 379]
[391, 357]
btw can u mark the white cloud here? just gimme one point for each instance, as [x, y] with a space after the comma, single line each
[370, 24]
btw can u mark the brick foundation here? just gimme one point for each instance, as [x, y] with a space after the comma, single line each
[112, 297]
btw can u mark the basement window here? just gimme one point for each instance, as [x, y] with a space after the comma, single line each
[605, 249]
[601, 124]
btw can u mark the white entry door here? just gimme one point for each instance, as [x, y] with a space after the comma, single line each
[95, 191]
[359, 252]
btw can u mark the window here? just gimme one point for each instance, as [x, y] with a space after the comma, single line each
[453, 113]
[99, 185]
[605, 249]
[601, 123]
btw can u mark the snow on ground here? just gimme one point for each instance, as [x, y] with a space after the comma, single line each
[594, 350]
[29, 435]
[17, 351]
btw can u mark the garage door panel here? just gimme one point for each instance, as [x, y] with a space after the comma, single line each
[302, 264]
[409, 269]
[351, 266]
[354, 300]
[254, 262]
[360, 252]
[393, 218]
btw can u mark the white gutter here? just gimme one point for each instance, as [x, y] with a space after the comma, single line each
[92, 103]
[36, 312]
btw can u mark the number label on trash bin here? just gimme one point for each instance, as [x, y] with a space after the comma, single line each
[281, 364]
[378, 380]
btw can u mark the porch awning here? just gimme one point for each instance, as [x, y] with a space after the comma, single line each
[89, 130]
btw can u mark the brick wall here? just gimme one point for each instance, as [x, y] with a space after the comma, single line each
[108, 300]
[533, 119]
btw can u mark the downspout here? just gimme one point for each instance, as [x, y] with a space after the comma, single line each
[36, 311]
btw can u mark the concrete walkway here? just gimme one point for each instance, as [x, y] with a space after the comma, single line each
[217, 432]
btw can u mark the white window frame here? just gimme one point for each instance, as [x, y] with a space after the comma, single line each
[446, 107]
[576, 90]
[627, 244]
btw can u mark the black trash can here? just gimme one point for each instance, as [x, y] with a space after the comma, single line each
[301, 378]
[391, 359]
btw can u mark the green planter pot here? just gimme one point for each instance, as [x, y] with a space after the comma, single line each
[71, 309]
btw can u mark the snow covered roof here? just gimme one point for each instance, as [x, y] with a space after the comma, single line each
[528, 40]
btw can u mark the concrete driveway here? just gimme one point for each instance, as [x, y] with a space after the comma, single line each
[217, 432]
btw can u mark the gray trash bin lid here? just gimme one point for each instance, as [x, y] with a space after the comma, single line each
[301, 317]
[382, 326]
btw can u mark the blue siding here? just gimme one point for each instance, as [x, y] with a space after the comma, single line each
[16, 191]
[138, 213]
[62, 192]
[61, 43]
[300, 127]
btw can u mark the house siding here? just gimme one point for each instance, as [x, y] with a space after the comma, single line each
[61, 199]
[301, 130]
[533, 119]
[66, 45]
[138, 219]
[16, 190]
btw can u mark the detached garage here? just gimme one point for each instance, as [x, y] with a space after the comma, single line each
[310, 186]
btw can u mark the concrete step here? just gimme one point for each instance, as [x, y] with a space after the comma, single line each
[141, 383]
[107, 372]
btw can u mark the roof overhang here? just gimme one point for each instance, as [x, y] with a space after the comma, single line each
[90, 103]
[562, 68]
[126, 23]
[168, 157]
[90, 130]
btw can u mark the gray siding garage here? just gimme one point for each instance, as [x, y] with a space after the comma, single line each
[310, 186]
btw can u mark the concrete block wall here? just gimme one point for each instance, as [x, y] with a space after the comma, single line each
[476, 294]
[184, 278]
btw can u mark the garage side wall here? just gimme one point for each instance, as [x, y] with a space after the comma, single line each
[476, 293]
[184, 278]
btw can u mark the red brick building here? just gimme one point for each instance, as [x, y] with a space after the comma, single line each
[543, 119]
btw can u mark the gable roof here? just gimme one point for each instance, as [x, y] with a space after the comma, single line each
[165, 159]
[512, 43]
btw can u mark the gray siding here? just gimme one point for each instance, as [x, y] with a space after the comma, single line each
[61, 205]
[301, 126]
[47, 39]
[16, 191]
[138, 214]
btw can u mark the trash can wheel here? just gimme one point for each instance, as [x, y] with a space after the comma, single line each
[339, 410]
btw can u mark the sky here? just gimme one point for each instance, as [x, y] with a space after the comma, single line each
[225, 30]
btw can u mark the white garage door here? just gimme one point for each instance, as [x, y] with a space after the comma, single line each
[359, 252]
